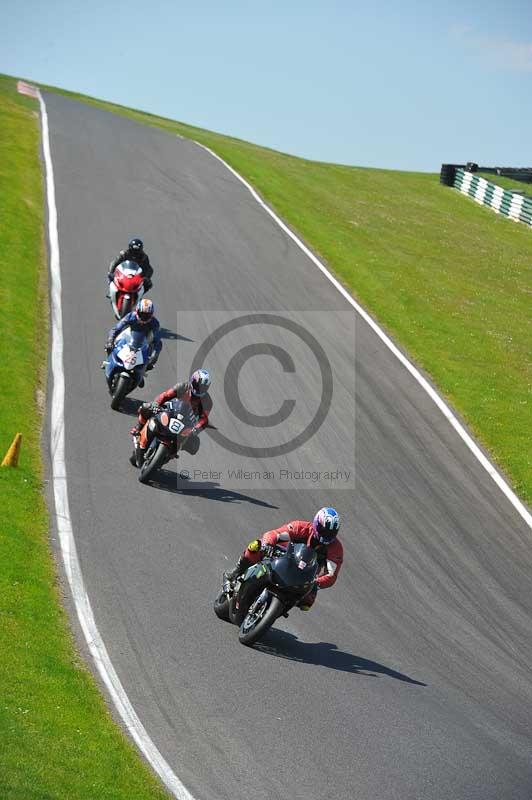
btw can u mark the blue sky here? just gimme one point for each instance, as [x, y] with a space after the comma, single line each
[397, 84]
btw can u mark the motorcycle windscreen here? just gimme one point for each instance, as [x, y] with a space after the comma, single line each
[130, 268]
[183, 412]
[297, 568]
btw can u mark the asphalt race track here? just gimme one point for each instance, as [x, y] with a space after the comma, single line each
[410, 679]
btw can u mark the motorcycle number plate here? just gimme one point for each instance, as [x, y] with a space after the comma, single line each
[175, 426]
[130, 358]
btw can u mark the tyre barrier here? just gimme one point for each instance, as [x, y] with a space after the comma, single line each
[510, 204]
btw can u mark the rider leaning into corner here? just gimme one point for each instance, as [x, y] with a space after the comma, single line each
[196, 392]
[320, 534]
[134, 252]
[142, 319]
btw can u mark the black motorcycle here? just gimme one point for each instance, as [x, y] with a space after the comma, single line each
[168, 430]
[267, 590]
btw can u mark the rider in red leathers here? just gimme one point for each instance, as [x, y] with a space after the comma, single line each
[196, 392]
[319, 534]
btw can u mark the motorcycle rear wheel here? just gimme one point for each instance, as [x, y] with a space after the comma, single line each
[153, 462]
[252, 629]
[120, 390]
[221, 606]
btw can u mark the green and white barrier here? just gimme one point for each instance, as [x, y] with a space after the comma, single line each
[509, 204]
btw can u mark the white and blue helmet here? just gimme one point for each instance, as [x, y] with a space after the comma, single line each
[326, 524]
[200, 382]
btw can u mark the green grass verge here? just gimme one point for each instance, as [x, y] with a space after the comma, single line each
[58, 741]
[448, 279]
[507, 183]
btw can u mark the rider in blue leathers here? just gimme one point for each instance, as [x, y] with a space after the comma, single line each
[141, 319]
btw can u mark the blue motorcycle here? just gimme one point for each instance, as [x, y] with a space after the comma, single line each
[126, 364]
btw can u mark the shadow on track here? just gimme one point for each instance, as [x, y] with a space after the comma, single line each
[130, 406]
[167, 481]
[166, 333]
[324, 654]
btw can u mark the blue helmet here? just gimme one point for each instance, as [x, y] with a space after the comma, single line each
[326, 525]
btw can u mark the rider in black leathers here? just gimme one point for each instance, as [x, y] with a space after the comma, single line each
[135, 252]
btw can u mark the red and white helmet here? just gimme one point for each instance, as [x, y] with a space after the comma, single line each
[326, 525]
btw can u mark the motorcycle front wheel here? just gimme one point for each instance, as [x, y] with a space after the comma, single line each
[154, 460]
[126, 307]
[120, 390]
[259, 619]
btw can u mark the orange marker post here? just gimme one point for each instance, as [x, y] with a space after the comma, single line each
[11, 457]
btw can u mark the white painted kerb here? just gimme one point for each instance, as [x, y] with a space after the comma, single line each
[62, 511]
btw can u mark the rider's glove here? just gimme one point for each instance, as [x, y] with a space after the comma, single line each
[109, 347]
[155, 407]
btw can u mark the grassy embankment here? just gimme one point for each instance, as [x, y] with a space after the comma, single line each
[507, 183]
[450, 280]
[58, 741]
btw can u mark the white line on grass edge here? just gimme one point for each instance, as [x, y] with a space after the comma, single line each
[62, 511]
[444, 408]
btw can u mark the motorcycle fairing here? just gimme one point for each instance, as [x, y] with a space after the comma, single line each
[129, 341]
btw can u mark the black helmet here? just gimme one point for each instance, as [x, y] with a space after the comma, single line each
[137, 245]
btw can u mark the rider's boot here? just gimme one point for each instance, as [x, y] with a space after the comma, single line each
[240, 567]
[136, 458]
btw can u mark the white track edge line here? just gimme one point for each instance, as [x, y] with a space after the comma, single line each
[62, 511]
[442, 405]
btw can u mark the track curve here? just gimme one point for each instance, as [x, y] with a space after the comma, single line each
[411, 677]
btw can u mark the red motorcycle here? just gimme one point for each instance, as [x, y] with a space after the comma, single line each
[126, 288]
